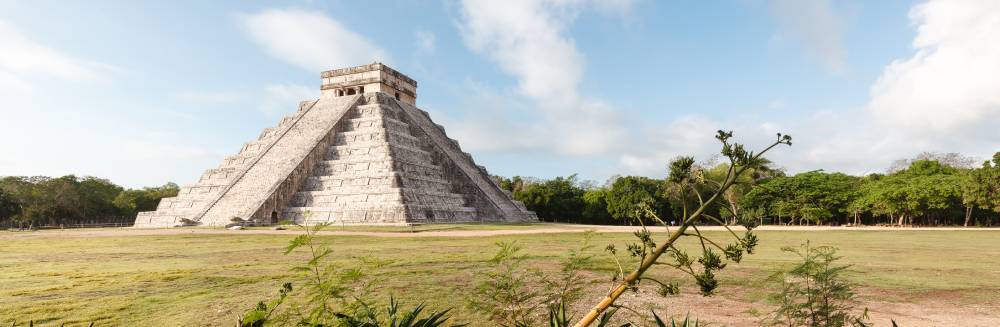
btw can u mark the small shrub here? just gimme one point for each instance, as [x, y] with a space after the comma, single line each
[506, 296]
[331, 296]
[813, 293]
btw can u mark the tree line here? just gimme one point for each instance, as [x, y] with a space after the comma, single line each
[40, 200]
[930, 189]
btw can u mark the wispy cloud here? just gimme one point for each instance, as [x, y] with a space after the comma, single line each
[426, 41]
[309, 39]
[23, 60]
[817, 25]
[529, 40]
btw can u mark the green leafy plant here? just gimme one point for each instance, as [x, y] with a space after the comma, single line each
[696, 197]
[396, 318]
[504, 294]
[331, 296]
[259, 315]
[605, 320]
[566, 286]
[507, 293]
[687, 322]
[813, 293]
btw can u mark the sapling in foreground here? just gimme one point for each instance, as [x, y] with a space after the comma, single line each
[689, 185]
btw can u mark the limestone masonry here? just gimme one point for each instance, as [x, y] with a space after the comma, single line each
[363, 153]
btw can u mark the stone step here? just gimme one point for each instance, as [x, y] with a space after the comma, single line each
[394, 139]
[374, 134]
[401, 152]
[200, 189]
[363, 194]
[356, 195]
[367, 147]
[435, 134]
[379, 213]
[359, 168]
[390, 179]
[177, 204]
[375, 109]
[373, 122]
[218, 176]
[237, 159]
[156, 219]
[374, 206]
[253, 147]
[251, 189]
[429, 197]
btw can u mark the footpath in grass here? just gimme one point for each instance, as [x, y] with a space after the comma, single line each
[207, 280]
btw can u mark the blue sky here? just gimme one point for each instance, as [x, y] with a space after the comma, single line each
[144, 93]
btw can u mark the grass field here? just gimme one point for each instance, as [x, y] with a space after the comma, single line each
[184, 280]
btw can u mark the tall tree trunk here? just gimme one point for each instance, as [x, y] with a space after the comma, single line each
[968, 215]
[732, 206]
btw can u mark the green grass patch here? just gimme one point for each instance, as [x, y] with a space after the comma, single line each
[209, 279]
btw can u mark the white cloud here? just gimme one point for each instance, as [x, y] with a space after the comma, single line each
[486, 122]
[528, 40]
[426, 42]
[949, 87]
[943, 98]
[817, 25]
[23, 60]
[310, 40]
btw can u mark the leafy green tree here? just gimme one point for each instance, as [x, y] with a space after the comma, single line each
[927, 190]
[981, 188]
[557, 199]
[70, 199]
[54, 201]
[98, 197]
[629, 196]
[731, 207]
[813, 196]
[130, 202]
[8, 207]
[21, 191]
[595, 207]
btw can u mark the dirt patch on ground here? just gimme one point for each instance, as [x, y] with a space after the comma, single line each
[726, 309]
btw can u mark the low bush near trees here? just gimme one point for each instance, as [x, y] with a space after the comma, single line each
[813, 293]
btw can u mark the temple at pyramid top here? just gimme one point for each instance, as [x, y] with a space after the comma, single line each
[362, 153]
[375, 77]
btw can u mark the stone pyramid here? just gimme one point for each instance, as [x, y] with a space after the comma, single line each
[362, 153]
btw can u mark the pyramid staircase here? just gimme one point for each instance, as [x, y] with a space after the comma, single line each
[361, 159]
